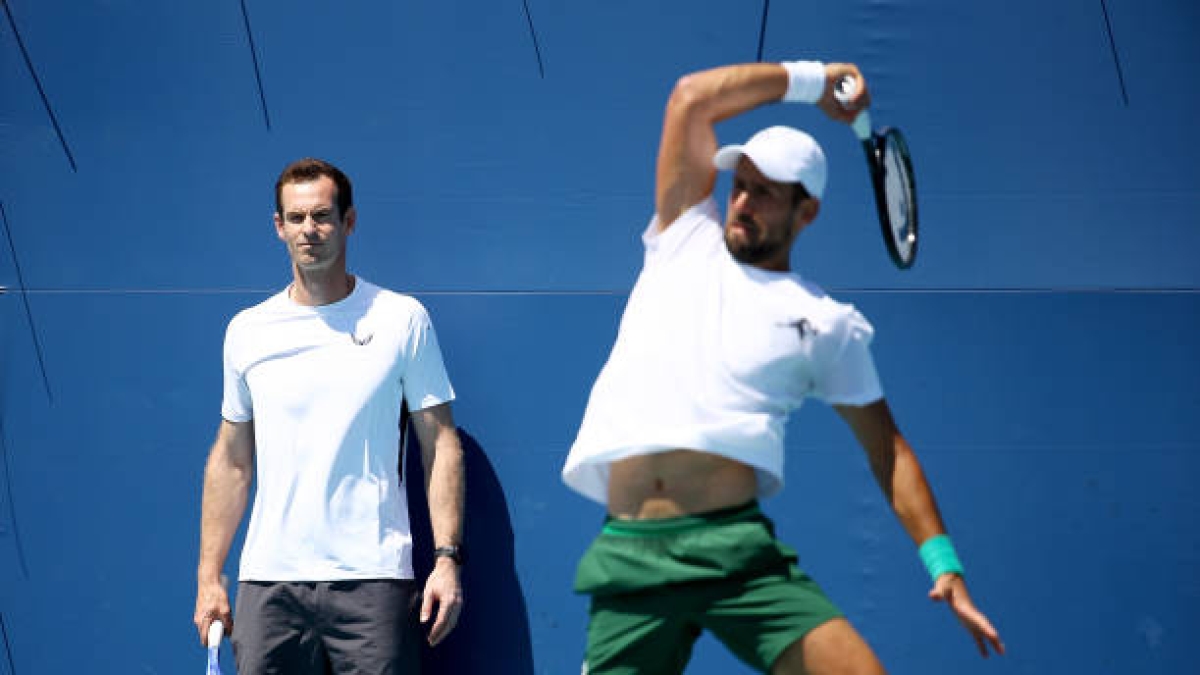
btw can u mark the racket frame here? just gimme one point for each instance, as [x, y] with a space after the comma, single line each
[878, 146]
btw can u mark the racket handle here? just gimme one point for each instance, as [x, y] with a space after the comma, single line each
[216, 631]
[844, 90]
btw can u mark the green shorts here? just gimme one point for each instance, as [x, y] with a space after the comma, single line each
[657, 584]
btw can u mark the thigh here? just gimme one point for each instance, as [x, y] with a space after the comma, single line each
[371, 627]
[833, 648]
[638, 634]
[273, 630]
[758, 618]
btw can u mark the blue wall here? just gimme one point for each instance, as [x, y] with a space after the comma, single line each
[1041, 355]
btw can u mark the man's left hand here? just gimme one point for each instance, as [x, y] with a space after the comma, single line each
[443, 589]
[951, 589]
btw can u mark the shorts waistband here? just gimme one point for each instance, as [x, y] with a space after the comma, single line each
[660, 526]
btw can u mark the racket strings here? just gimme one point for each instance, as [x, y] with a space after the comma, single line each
[899, 195]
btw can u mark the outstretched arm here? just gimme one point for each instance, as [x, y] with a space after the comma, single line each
[442, 457]
[685, 173]
[227, 479]
[903, 482]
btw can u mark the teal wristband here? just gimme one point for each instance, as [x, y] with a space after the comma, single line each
[939, 557]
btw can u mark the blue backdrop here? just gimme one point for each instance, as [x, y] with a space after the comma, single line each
[1041, 355]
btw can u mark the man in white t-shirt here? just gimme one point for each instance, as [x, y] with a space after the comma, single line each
[316, 378]
[683, 431]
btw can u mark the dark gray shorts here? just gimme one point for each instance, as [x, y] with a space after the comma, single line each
[319, 628]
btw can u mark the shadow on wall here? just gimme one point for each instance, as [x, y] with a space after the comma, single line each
[493, 631]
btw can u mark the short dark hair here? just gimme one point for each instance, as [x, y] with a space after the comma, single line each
[310, 169]
[799, 194]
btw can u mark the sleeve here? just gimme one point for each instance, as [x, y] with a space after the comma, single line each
[701, 221]
[426, 383]
[847, 375]
[236, 404]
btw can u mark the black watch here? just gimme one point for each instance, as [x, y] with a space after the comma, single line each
[454, 553]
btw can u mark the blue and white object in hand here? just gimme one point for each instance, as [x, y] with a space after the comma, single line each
[216, 630]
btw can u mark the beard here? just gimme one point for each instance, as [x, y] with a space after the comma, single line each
[773, 242]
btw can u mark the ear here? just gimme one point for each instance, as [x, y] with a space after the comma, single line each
[278, 226]
[804, 213]
[351, 218]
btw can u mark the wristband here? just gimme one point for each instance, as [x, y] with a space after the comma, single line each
[806, 81]
[939, 557]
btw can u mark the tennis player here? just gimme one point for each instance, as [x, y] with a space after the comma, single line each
[683, 431]
[315, 379]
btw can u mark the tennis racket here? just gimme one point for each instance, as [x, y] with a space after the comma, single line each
[216, 630]
[892, 180]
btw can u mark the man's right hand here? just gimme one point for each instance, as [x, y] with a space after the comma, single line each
[212, 603]
[835, 109]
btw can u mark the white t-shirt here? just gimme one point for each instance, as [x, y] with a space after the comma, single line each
[324, 386]
[713, 355]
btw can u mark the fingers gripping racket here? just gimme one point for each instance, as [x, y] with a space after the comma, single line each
[892, 180]
[216, 630]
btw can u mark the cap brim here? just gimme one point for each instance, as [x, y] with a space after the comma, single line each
[726, 159]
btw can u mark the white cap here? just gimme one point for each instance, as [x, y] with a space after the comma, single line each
[783, 154]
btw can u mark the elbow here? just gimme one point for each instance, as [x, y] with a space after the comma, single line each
[688, 97]
[231, 470]
[447, 451]
[242, 473]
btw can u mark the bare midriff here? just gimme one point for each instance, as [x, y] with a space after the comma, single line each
[677, 483]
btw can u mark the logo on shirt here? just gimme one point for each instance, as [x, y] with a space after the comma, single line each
[362, 342]
[804, 327]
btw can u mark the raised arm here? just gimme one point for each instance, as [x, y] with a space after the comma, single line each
[903, 482]
[685, 173]
[442, 457]
[227, 479]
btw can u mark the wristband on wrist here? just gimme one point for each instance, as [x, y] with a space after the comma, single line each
[939, 557]
[806, 81]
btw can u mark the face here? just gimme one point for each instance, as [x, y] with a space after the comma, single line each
[763, 218]
[310, 225]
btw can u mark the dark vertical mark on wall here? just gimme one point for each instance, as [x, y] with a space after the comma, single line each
[533, 34]
[7, 648]
[12, 509]
[262, 97]
[37, 344]
[12, 23]
[762, 29]
[1112, 44]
